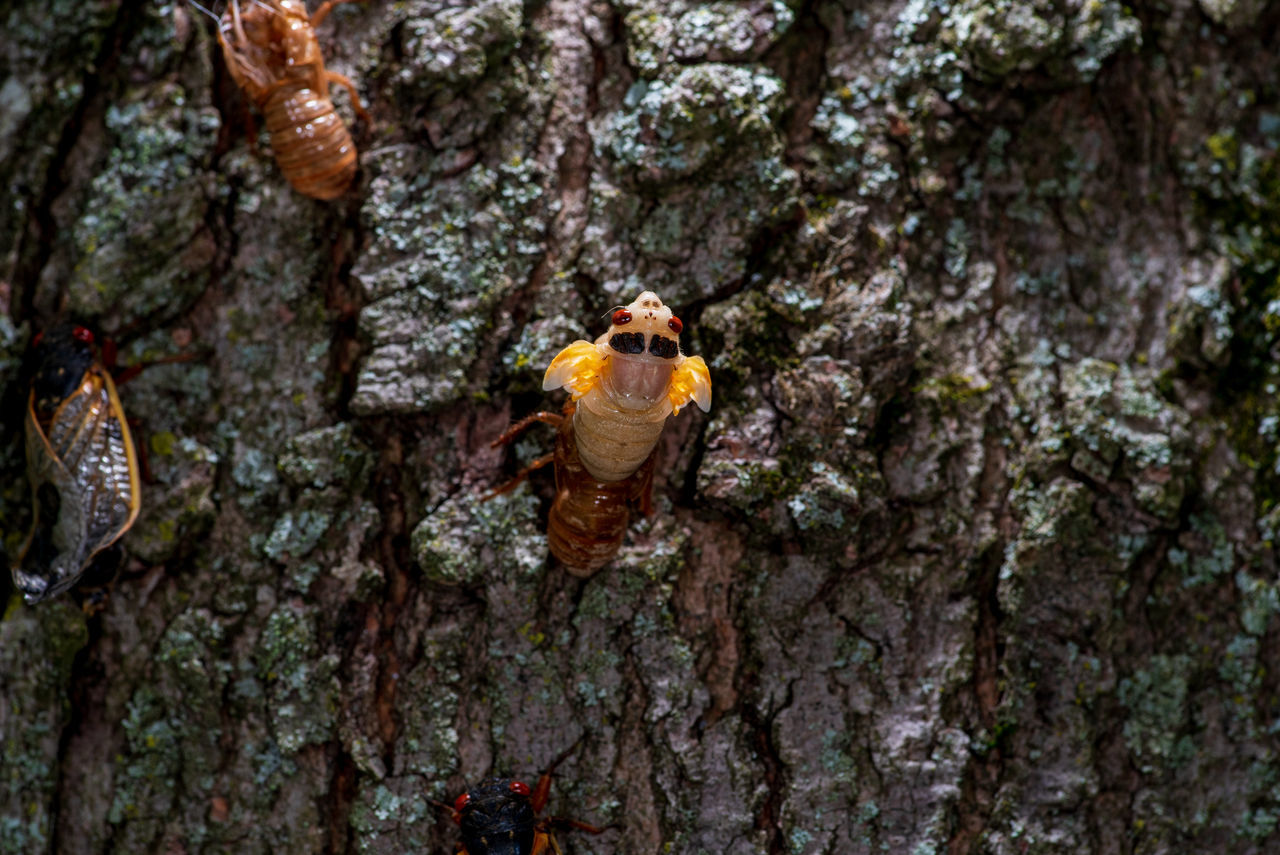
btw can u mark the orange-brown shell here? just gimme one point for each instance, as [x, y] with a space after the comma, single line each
[272, 53]
[589, 517]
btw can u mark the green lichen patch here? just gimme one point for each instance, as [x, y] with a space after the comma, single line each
[35, 713]
[1239, 194]
[682, 32]
[444, 258]
[326, 456]
[1070, 41]
[179, 503]
[703, 153]
[456, 63]
[141, 246]
[1156, 727]
[1113, 425]
[302, 690]
[460, 541]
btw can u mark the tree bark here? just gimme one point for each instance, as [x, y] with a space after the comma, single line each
[973, 553]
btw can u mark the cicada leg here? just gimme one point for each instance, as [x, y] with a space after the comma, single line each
[345, 82]
[125, 375]
[513, 432]
[510, 436]
[542, 792]
[323, 10]
[520, 476]
[563, 822]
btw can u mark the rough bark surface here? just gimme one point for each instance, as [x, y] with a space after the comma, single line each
[973, 554]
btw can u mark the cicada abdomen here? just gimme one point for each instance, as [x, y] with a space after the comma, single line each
[624, 386]
[81, 461]
[273, 55]
[590, 516]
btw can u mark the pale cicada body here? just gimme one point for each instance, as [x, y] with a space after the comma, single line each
[624, 386]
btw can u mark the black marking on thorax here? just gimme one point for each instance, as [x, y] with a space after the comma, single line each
[660, 345]
[627, 342]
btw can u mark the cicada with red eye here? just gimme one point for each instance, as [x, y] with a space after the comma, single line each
[499, 816]
[623, 387]
[86, 490]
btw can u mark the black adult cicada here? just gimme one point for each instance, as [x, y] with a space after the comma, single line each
[81, 461]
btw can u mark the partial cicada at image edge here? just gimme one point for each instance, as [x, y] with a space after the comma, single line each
[273, 55]
[623, 386]
[500, 816]
[81, 461]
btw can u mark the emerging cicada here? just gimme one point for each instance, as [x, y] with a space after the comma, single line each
[81, 462]
[499, 816]
[273, 55]
[623, 387]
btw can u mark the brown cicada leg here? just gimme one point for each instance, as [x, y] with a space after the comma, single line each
[512, 433]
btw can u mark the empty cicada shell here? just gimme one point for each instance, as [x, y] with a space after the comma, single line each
[273, 55]
[81, 462]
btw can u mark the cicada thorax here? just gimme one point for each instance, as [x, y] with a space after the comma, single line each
[82, 466]
[614, 440]
[272, 53]
[589, 515]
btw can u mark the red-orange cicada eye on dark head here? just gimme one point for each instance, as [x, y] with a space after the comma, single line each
[81, 461]
[500, 816]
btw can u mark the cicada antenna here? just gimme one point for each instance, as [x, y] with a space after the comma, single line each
[268, 7]
[216, 19]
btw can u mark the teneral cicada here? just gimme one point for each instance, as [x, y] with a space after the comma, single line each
[81, 462]
[273, 55]
[623, 387]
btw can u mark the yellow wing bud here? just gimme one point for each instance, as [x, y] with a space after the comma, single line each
[690, 382]
[576, 368]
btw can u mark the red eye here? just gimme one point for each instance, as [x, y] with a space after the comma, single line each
[675, 325]
[82, 334]
[520, 788]
[620, 317]
[461, 802]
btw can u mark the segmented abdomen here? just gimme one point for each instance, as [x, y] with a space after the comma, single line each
[614, 441]
[310, 141]
[590, 516]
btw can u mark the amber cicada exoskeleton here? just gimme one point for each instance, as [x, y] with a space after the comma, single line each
[499, 816]
[81, 462]
[623, 387]
[273, 55]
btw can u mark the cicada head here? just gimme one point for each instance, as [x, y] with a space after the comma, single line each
[497, 818]
[644, 348]
[61, 355]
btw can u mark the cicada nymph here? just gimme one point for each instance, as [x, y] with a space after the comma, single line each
[81, 461]
[273, 55]
[623, 387]
[499, 816]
